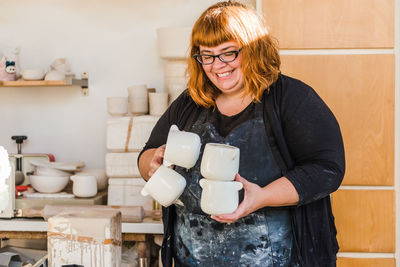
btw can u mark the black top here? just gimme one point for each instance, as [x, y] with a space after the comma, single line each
[310, 147]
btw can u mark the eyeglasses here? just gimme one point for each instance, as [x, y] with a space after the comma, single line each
[225, 57]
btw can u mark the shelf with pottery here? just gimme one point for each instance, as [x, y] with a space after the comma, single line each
[83, 83]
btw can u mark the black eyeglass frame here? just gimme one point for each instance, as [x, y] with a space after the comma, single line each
[196, 56]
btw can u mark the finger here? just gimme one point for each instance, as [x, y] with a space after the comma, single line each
[236, 215]
[216, 218]
[240, 179]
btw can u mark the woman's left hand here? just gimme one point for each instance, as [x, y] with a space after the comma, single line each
[252, 201]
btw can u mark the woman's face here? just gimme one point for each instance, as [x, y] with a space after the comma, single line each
[227, 77]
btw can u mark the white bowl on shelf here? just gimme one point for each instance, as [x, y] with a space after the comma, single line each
[45, 171]
[48, 184]
[54, 75]
[33, 74]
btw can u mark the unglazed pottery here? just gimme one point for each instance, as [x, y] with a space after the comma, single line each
[158, 103]
[117, 106]
[165, 186]
[182, 148]
[138, 99]
[220, 162]
[48, 184]
[219, 197]
[100, 174]
[84, 185]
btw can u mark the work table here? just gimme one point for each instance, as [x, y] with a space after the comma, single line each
[36, 228]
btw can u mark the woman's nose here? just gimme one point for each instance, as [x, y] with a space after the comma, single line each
[218, 63]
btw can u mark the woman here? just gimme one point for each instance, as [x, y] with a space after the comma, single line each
[291, 152]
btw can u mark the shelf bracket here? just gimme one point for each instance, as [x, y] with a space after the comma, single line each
[83, 82]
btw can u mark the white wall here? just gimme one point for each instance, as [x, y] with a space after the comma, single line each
[115, 41]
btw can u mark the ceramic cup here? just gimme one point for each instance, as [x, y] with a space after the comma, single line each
[138, 99]
[84, 185]
[165, 186]
[117, 106]
[219, 197]
[158, 103]
[182, 148]
[220, 162]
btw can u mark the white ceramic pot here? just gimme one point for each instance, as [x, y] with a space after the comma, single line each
[165, 186]
[174, 43]
[158, 103]
[220, 162]
[33, 74]
[117, 106]
[138, 99]
[84, 185]
[182, 148]
[48, 184]
[45, 171]
[219, 197]
[54, 75]
[100, 174]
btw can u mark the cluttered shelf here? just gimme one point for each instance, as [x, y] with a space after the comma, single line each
[23, 83]
[83, 83]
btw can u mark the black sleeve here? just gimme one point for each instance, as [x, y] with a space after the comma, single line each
[173, 115]
[314, 141]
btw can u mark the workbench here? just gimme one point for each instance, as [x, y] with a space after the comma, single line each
[36, 228]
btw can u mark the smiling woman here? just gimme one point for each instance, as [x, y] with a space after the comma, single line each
[291, 152]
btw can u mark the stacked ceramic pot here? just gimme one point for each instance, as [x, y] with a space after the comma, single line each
[128, 129]
[173, 44]
[166, 185]
[175, 78]
[219, 166]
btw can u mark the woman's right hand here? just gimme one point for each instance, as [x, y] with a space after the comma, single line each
[157, 159]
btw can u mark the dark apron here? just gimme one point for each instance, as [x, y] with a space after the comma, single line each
[262, 238]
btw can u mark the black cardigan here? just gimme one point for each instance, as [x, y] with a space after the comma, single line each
[311, 157]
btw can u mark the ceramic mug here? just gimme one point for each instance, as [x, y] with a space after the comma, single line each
[182, 148]
[165, 186]
[84, 185]
[219, 197]
[220, 162]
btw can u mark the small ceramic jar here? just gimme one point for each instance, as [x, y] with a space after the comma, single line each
[219, 197]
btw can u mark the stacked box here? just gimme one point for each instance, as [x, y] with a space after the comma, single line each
[126, 136]
[126, 191]
[91, 238]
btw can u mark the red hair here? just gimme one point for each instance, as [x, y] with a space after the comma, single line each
[232, 21]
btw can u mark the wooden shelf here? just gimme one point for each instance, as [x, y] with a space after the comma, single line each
[83, 83]
[22, 83]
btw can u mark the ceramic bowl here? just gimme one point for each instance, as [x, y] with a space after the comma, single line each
[54, 75]
[33, 74]
[45, 171]
[48, 184]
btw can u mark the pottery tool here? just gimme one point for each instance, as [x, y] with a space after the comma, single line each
[19, 175]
